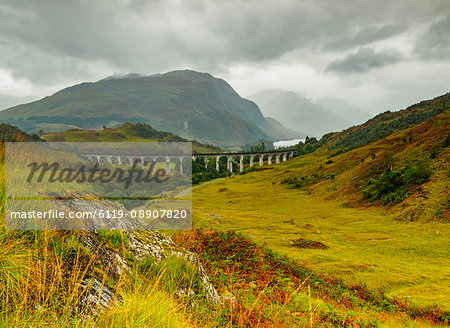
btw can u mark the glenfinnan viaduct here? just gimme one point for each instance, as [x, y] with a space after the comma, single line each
[280, 156]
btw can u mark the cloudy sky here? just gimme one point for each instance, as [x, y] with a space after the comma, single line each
[378, 55]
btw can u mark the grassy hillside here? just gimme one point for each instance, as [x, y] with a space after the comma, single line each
[187, 103]
[389, 122]
[127, 132]
[400, 245]
[386, 163]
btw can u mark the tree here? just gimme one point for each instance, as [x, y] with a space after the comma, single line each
[434, 153]
[389, 160]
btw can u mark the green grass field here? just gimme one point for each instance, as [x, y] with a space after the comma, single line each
[365, 245]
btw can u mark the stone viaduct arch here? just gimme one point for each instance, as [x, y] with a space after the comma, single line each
[278, 155]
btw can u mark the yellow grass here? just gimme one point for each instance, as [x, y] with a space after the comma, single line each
[365, 244]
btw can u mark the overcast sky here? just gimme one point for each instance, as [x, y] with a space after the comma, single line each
[377, 55]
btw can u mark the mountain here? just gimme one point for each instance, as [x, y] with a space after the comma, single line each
[340, 107]
[190, 104]
[8, 101]
[298, 113]
[274, 128]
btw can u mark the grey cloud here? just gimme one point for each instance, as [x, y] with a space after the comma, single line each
[435, 42]
[364, 35]
[55, 38]
[364, 60]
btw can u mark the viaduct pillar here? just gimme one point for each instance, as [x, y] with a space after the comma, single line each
[168, 164]
[181, 158]
[217, 163]
[252, 157]
[230, 163]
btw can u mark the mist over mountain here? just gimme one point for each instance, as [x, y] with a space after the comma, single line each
[297, 112]
[187, 103]
[276, 129]
[340, 107]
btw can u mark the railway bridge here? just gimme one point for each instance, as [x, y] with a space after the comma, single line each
[279, 155]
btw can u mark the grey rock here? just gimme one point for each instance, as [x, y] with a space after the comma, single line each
[95, 298]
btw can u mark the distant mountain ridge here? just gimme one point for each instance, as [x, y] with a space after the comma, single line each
[187, 103]
[297, 112]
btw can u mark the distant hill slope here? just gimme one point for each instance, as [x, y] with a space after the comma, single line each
[127, 132]
[398, 159]
[190, 104]
[298, 113]
[10, 133]
[387, 123]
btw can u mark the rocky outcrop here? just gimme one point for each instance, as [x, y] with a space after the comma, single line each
[159, 247]
[114, 264]
[101, 219]
[97, 297]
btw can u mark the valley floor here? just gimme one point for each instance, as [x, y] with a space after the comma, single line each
[365, 245]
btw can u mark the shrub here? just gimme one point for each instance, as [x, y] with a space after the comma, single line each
[307, 243]
[418, 174]
[392, 186]
[446, 141]
[433, 154]
[295, 183]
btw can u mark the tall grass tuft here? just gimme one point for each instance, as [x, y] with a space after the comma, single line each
[146, 305]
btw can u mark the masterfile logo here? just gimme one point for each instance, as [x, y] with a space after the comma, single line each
[98, 185]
